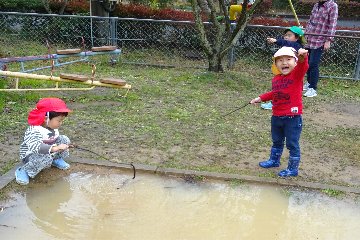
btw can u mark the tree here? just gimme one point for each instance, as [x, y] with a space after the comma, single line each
[218, 45]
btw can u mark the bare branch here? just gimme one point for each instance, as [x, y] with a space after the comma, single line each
[225, 11]
[63, 6]
[244, 18]
[46, 6]
[200, 27]
[217, 25]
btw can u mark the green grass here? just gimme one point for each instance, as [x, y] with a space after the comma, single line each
[7, 166]
[332, 192]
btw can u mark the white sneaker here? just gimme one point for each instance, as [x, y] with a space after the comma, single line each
[310, 93]
[306, 86]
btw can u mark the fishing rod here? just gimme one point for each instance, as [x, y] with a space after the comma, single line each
[236, 109]
[99, 155]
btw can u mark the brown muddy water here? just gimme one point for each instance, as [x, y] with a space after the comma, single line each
[90, 206]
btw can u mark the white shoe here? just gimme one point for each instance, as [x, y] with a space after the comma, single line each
[306, 86]
[310, 93]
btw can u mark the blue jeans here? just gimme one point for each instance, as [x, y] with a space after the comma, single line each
[287, 128]
[314, 62]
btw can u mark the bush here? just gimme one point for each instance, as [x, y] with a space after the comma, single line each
[278, 21]
[280, 4]
[303, 7]
[133, 11]
[346, 9]
[264, 7]
[141, 11]
[349, 9]
[274, 22]
[73, 7]
[22, 6]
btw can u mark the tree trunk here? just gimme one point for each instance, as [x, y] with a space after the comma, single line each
[215, 63]
[217, 45]
[101, 27]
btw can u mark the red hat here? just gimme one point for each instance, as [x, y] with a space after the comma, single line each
[37, 115]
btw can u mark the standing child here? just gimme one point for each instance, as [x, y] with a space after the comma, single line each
[320, 28]
[43, 146]
[293, 37]
[286, 121]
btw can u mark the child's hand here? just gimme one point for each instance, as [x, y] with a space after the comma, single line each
[271, 40]
[302, 52]
[256, 100]
[59, 148]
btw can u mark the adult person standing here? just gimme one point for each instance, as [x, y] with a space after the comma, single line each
[323, 20]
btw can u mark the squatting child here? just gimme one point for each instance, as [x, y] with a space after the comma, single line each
[43, 146]
[286, 95]
[293, 37]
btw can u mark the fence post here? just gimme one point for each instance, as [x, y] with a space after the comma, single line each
[357, 66]
[231, 51]
[113, 38]
[112, 32]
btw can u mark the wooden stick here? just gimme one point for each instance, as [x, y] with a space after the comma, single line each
[58, 79]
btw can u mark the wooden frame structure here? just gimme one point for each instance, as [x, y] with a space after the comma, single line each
[106, 82]
[61, 54]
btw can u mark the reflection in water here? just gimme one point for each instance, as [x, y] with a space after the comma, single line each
[46, 204]
[86, 206]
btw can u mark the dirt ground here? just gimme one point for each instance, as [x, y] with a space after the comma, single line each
[316, 165]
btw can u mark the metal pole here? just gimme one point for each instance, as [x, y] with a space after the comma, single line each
[231, 51]
[91, 27]
[112, 32]
[357, 66]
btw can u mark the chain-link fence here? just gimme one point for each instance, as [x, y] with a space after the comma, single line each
[159, 42]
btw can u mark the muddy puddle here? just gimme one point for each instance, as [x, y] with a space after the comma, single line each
[83, 205]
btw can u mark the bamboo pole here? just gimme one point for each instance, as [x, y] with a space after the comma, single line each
[293, 10]
[58, 79]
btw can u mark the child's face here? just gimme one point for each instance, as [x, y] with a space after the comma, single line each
[56, 122]
[285, 64]
[290, 36]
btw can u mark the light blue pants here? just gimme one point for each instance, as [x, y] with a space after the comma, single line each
[36, 162]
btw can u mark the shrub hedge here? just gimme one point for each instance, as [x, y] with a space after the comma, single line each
[346, 9]
[303, 7]
[285, 23]
[21, 6]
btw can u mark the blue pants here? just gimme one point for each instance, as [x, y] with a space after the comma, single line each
[314, 62]
[287, 128]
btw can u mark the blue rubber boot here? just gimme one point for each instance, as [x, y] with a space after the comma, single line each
[274, 160]
[21, 176]
[292, 169]
[61, 164]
